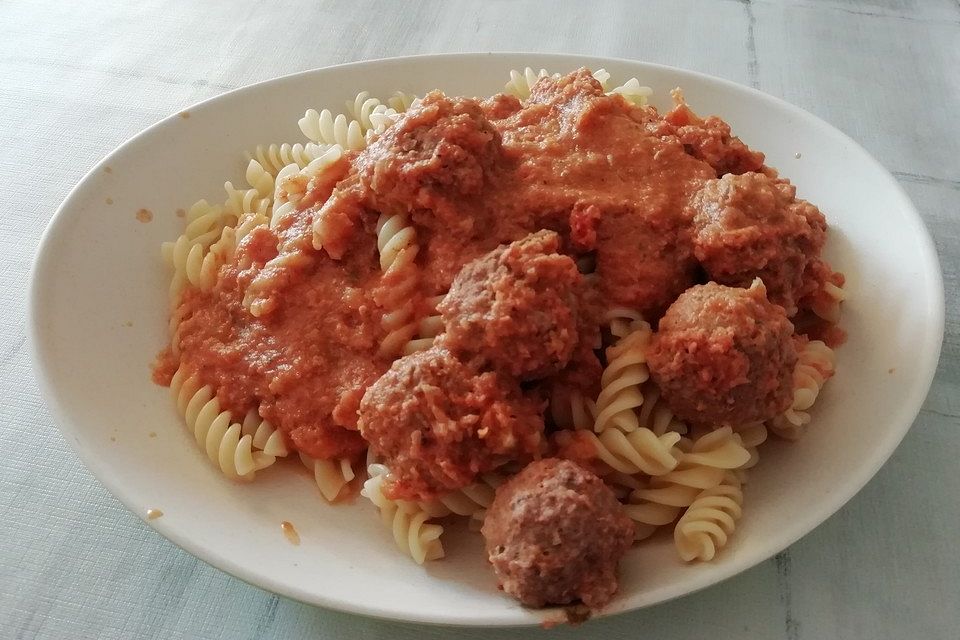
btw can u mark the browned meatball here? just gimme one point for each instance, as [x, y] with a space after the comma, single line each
[709, 139]
[515, 309]
[644, 262]
[724, 356]
[436, 157]
[751, 226]
[438, 423]
[555, 533]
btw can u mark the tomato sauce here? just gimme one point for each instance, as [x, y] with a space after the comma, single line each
[614, 180]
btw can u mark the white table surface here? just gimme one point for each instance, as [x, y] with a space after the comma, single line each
[77, 78]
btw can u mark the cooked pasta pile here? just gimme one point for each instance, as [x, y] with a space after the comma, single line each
[666, 473]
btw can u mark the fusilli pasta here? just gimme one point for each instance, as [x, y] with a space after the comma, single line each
[331, 476]
[471, 501]
[401, 101]
[751, 437]
[428, 328]
[324, 128]
[827, 304]
[201, 268]
[815, 365]
[520, 84]
[637, 451]
[275, 157]
[224, 441]
[409, 522]
[620, 383]
[371, 113]
[633, 92]
[205, 225]
[709, 521]
[397, 243]
[603, 77]
[702, 465]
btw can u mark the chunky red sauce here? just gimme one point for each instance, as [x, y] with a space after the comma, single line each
[614, 180]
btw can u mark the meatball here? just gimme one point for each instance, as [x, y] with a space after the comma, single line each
[644, 261]
[516, 308]
[751, 226]
[438, 423]
[438, 154]
[555, 533]
[724, 356]
[709, 139]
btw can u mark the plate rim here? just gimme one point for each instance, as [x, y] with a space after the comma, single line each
[43, 267]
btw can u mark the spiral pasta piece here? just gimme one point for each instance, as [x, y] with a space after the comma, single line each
[289, 191]
[204, 222]
[260, 179]
[717, 449]
[620, 382]
[401, 101]
[325, 128]
[471, 501]
[209, 229]
[291, 186]
[245, 201]
[205, 226]
[265, 437]
[827, 304]
[428, 328]
[331, 476]
[397, 243]
[702, 464]
[751, 436]
[177, 315]
[257, 199]
[654, 414]
[633, 92]
[210, 238]
[815, 365]
[275, 157]
[372, 114]
[409, 522]
[198, 268]
[639, 451]
[520, 84]
[622, 321]
[707, 524]
[224, 441]
[603, 77]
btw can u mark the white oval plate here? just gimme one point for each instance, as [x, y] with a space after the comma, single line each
[98, 316]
